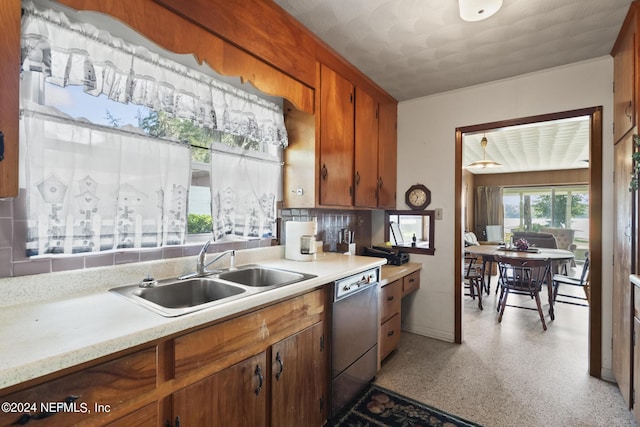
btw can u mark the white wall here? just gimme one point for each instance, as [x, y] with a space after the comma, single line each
[426, 154]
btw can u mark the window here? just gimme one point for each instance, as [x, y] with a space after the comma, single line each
[549, 209]
[403, 226]
[115, 88]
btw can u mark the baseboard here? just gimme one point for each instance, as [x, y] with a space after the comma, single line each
[427, 332]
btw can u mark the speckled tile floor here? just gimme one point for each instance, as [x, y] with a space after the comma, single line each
[508, 374]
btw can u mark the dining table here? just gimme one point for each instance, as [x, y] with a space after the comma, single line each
[488, 253]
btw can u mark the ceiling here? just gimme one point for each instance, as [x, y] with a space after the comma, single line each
[414, 48]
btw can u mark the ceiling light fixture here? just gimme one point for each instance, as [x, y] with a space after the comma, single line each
[484, 163]
[477, 10]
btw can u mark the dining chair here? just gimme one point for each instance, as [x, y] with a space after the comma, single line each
[580, 280]
[523, 277]
[474, 278]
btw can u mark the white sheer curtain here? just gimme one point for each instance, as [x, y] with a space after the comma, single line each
[243, 194]
[93, 188]
[72, 53]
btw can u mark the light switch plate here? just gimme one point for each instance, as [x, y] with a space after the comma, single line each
[438, 213]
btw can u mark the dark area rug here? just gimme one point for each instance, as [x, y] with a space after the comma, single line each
[379, 407]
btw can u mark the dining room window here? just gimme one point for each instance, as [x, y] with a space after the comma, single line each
[559, 210]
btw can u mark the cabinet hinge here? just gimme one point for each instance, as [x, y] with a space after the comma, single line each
[321, 404]
[351, 98]
[613, 87]
[613, 128]
[322, 343]
[377, 113]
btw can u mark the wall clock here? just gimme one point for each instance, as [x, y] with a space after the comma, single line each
[417, 197]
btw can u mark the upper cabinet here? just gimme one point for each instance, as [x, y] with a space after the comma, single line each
[9, 107]
[387, 154]
[624, 75]
[336, 138]
[355, 154]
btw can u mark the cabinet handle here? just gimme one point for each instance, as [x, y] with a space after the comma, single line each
[258, 373]
[324, 172]
[1, 146]
[627, 111]
[412, 280]
[350, 191]
[177, 422]
[279, 361]
[389, 298]
[379, 182]
[357, 178]
[390, 334]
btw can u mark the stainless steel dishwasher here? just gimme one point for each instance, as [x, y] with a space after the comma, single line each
[354, 336]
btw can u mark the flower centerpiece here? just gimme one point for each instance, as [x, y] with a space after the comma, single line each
[522, 244]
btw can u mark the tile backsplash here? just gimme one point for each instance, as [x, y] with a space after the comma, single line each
[330, 223]
[13, 235]
[14, 261]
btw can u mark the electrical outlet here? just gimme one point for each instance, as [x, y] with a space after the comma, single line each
[438, 213]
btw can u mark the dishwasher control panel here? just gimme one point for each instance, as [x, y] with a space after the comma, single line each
[351, 284]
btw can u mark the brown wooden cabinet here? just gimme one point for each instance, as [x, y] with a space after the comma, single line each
[387, 154]
[635, 290]
[298, 379]
[625, 232]
[390, 305]
[235, 396]
[366, 150]
[9, 107]
[115, 385]
[336, 138]
[622, 261]
[401, 281]
[624, 60]
[264, 367]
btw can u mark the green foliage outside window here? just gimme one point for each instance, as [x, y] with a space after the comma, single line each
[199, 223]
[542, 208]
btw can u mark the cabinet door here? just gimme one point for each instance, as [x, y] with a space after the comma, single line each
[623, 77]
[9, 84]
[336, 139]
[299, 379]
[235, 396]
[636, 369]
[387, 155]
[622, 308]
[366, 150]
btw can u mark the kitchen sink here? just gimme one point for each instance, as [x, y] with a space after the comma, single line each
[259, 276]
[172, 298]
[180, 297]
[188, 293]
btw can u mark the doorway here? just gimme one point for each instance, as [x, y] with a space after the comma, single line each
[595, 216]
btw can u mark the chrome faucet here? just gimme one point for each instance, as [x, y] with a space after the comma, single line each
[201, 265]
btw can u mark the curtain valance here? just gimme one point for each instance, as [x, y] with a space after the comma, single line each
[71, 53]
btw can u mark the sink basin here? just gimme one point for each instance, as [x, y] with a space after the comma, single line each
[188, 293]
[258, 276]
[172, 298]
[181, 297]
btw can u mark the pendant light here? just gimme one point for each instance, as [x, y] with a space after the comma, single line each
[484, 163]
[477, 10]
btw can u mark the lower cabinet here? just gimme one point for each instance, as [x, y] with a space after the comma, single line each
[265, 367]
[235, 396]
[401, 281]
[291, 388]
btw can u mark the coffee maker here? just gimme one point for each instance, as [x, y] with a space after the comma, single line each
[300, 240]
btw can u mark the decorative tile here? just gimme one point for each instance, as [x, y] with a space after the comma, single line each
[67, 263]
[5, 262]
[101, 260]
[6, 232]
[126, 257]
[28, 268]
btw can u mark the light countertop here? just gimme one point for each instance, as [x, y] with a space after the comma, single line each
[41, 337]
[392, 273]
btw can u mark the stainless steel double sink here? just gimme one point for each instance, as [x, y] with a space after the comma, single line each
[175, 297]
